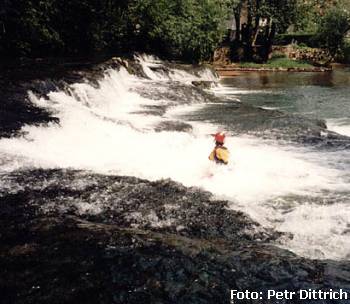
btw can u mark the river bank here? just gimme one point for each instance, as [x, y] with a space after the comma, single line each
[291, 58]
[274, 65]
[229, 70]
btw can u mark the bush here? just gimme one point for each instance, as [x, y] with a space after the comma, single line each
[344, 55]
[299, 38]
[302, 46]
[332, 30]
[277, 55]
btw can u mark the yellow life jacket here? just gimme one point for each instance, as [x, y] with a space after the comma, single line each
[220, 155]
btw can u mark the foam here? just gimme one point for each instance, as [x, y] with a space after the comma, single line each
[155, 70]
[331, 222]
[341, 126]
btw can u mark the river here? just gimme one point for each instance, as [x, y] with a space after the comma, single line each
[315, 95]
[287, 171]
[298, 186]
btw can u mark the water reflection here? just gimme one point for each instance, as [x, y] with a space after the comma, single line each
[338, 77]
[317, 95]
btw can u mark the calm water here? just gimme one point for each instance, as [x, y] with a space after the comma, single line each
[315, 95]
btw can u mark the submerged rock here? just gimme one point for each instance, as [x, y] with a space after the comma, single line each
[270, 124]
[176, 126]
[203, 84]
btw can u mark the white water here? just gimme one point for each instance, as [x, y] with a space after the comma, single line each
[341, 126]
[153, 68]
[100, 130]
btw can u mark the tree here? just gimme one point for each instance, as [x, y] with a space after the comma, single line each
[264, 18]
[25, 27]
[332, 29]
[69, 27]
[187, 29]
[309, 13]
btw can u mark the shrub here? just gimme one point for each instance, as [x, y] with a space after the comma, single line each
[299, 38]
[344, 55]
[332, 30]
[277, 55]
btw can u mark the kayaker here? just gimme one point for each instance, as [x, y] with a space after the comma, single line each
[220, 154]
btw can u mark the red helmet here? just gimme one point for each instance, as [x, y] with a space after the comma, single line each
[219, 137]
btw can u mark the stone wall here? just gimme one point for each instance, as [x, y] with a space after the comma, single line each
[312, 55]
[318, 57]
[222, 55]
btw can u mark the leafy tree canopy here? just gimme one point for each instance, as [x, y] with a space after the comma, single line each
[332, 29]
[253, 40]
[188, 29]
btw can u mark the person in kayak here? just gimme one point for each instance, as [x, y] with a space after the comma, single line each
[220, 154]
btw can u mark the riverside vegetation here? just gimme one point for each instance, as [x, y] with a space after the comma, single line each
[184, 29]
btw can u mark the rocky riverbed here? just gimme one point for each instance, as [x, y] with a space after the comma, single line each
[126, 240]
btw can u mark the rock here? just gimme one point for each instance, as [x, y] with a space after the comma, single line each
[176, 126]
[41, 77]
[52, 253]
[271, 124]
[203, 84]
[121, 62]
[222, 56]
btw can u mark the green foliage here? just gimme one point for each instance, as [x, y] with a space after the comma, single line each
[260, 21]
[299, 38]
[308, 15]
[25, 27]
[281, 12]
[278, 55]
[302, 46]
[332, 30]
[55, 27]
[188, 29]
[345, 55]
[311, 12]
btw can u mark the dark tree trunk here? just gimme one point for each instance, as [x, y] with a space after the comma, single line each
[269, 37]
[248, 39]
[237, 15]
[256, 22]
[255, 45]
[236, 44]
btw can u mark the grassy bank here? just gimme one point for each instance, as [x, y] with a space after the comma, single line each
[274, 63]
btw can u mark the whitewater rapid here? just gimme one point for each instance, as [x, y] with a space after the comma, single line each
[104, 129]
[340, 125]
